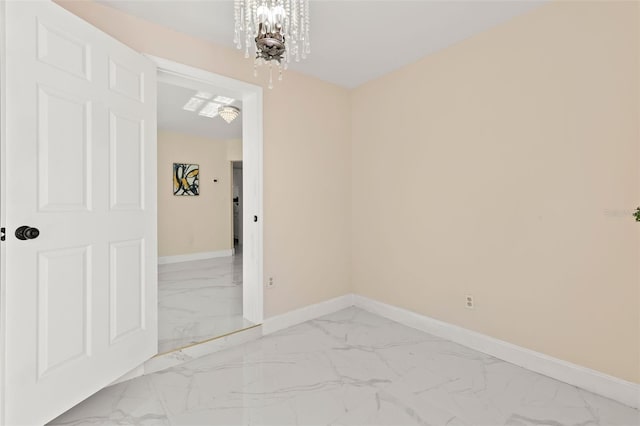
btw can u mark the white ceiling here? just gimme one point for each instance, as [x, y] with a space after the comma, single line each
[172, 117]
[352, 41]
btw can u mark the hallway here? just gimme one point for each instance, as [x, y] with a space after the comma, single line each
[199, 300]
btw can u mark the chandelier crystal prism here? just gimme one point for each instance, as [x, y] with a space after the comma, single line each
[278, 30]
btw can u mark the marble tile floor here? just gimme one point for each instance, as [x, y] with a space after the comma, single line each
[347, 368]
[198, 300]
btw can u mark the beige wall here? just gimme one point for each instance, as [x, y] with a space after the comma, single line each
[510, 174]
[195, 224]
[234, 150]
[307, 160]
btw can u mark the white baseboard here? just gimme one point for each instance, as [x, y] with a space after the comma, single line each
[298, 316]
[194, 256]
[594, 381]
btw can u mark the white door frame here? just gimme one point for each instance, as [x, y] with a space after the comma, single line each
[252, 161]
[3, 301]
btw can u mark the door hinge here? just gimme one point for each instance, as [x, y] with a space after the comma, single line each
[2, 234]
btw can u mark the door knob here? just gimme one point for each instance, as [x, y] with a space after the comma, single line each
[27, 233]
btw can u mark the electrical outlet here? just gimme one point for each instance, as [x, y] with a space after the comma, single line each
[270, 283]
[468, 302]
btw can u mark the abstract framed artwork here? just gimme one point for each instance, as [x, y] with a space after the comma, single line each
[186, 179]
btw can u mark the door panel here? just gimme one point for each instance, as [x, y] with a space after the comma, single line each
[64, 148]
[63, 322]
[126, 82]
[62, 50]
[81, 167]
[127, 162]
[127, 289]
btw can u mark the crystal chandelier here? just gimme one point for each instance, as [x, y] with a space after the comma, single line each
[278, 29]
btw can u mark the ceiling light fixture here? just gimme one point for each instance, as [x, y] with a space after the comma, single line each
[279, 28]
[228, 113]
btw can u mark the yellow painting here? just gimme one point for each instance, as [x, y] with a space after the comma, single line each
[186, 179]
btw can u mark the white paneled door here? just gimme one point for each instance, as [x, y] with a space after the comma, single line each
[80, 164]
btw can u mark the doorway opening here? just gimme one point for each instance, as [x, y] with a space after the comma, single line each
[236, 214]
[209, 225]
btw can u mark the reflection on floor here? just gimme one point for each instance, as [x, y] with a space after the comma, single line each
[348, 368]
[199, 300]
